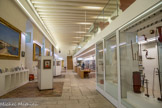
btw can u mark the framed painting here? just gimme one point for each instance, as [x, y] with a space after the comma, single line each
[52, 50]
[36, 52]
[47, 64]
[10, 41]
[47, 53]
[58, 63]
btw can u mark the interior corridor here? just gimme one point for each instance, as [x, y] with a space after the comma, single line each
[76, 93]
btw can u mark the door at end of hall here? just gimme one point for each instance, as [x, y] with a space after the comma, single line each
[69, 62]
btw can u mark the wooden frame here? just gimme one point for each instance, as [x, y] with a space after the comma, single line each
[34, 51]
[47, 64]
[52, 50]
[47, 53]
[12, 47]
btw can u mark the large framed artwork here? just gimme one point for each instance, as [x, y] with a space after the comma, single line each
[10, 41]
[36, 52]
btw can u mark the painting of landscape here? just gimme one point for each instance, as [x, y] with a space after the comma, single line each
[37, 52]
[9, 41]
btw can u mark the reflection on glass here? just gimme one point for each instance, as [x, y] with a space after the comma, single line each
[100, 65]
[160, 67]
[139, 70]
[111, 67]
[128, 63]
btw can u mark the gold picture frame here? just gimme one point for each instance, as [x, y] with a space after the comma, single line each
[47, 53]
[52, 50]
[10, 41]
[36, 51]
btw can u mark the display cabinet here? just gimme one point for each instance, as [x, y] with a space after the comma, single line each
[12, 80]
[129, 62]
[111, 75]
[100, 65]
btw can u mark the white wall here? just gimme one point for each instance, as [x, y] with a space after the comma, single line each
[34, 18]
[65, 52]
[13, 14]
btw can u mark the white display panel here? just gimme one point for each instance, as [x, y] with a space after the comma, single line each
[45, 72]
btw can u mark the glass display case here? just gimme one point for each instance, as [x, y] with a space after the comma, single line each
[111, 76]
[140, 63]
[100, 65]
[129, 63]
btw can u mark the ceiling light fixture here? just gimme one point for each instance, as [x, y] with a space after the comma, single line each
[80, 32]
[92, 7]
[75, 41]
[85, 23]
[101, 17]
[77, 37]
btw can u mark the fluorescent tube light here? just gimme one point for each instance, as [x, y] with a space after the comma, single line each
[80, 32]
[77, 37]
[85, 23]
[93, 7]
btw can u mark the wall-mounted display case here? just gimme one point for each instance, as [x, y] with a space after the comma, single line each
[111, 75]
[129, 63]
[100, 65]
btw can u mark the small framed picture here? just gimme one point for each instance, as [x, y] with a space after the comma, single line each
[58, 63]
[47, 64]
[22, 53]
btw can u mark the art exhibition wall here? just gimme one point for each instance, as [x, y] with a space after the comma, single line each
[11, 12]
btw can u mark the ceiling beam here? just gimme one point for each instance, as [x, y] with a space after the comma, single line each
[66, 7]
[84, 1]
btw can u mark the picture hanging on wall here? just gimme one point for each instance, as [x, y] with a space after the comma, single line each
[52, 50]
[10, 41]
[22, 53]
[47, 53]
[58, 63]
[47, 64]
[36, 51]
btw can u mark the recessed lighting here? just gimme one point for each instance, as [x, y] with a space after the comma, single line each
[85, 23]
[80, 32]
[101, 17]
[75, 41]
[77, 37]
[93, 7]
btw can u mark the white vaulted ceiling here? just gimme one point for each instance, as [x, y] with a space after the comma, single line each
[65, 18]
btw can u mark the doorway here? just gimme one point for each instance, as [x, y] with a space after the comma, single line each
[69, 62]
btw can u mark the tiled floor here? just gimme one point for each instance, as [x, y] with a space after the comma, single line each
[77, 93]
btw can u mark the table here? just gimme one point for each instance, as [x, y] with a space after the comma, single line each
[84, 73]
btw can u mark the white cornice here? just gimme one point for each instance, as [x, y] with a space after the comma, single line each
[45, 31]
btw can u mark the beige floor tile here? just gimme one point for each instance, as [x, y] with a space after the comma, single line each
[77, 93]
